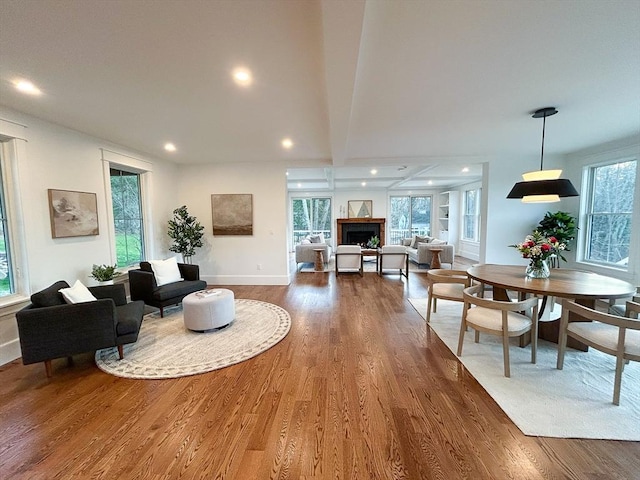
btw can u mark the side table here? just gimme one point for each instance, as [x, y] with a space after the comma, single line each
[435, 258]
[318, 266]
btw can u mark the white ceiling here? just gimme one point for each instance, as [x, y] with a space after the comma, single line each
[433, 85]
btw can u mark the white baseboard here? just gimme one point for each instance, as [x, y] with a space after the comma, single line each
[10, 351]
[246, 279]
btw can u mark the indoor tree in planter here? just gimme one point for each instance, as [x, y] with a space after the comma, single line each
[560, 225]
[186, 233]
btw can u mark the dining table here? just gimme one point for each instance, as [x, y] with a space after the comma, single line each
[580, 285]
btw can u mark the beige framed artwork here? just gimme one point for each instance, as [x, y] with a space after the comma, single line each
[232, 214]
[359, 208]
[73, 214]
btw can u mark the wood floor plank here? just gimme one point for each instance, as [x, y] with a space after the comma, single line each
[360, 388]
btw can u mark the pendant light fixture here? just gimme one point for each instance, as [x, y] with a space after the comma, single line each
[543, 186]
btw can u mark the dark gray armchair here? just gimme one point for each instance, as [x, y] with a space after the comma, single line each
[50, 328]
[143, 286]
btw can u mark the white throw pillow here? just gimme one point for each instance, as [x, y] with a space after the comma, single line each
[77, 294]
[305, 241]
[166, 271]
[435, 241]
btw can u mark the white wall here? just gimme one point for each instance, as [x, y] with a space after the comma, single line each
[260, 259]
[507, 221]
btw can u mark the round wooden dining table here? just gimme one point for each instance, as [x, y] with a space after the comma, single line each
[582, 286]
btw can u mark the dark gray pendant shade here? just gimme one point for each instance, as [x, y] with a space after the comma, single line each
[561, 187]
[558, 187]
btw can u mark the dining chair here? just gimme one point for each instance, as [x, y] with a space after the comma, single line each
[394, 257]
[499, 318]
[619, 308]
[611, 334]
[447, 285]
[349, 259]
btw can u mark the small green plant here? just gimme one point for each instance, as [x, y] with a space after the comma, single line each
[373, 242]
[186, 233]
[560, 225]
[103, 273]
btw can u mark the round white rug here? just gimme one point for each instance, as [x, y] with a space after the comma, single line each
[167, 349]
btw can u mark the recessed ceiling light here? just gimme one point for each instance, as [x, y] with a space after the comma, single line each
[287, 143]
[430, 182]
[169, 147]
[364, 184]
[27, 87]
[465, 169]
[374, 171]
[299, 185]
[287, 174]
[242, 77]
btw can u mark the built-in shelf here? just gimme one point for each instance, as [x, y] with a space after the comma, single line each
[447, 210]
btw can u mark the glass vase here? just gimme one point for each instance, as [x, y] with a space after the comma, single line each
[538, 268]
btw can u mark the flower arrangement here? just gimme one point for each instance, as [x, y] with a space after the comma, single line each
[538, 248]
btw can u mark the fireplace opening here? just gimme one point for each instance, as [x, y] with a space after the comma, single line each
[359, 237]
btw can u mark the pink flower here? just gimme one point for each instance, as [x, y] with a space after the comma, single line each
[545, 247]
[553, 240]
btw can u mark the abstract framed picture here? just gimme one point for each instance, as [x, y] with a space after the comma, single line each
[360, 208]
[232, 214]
[73, 214]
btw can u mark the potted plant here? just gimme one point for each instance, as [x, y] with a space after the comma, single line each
[186, 233]
[560, 225]
[104, 273]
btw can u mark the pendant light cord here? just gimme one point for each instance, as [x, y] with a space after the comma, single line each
[544, 120]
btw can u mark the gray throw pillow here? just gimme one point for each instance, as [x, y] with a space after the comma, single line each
[50, 296]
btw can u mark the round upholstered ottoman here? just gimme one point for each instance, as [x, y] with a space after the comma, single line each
[208, 309]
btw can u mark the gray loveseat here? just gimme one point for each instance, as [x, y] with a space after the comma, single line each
[305, 253]
[420, 250]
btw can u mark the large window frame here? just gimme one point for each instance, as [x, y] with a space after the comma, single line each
[607, 219]
[126, 199]
[318, 215]
[471, 215]
[13, 149]
[407, 224]
[144, 170]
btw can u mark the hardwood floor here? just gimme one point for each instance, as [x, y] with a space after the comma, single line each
[360, 388]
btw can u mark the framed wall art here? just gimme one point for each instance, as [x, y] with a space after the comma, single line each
[232, 214]
[359, 208]
[73, 214]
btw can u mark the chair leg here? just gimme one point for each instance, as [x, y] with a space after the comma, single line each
[463, 328]
[47, 367]
[121, 351]
[161, 312]
[618, 381]
[505, 351]
[429, 308]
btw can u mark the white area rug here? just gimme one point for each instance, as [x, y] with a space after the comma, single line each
[167, 349]
[542, 401]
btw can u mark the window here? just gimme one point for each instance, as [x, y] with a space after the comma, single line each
[409, 216]
[609, 210]
[471, 217]
[311, 215]
[6, 272]
[127, 216]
